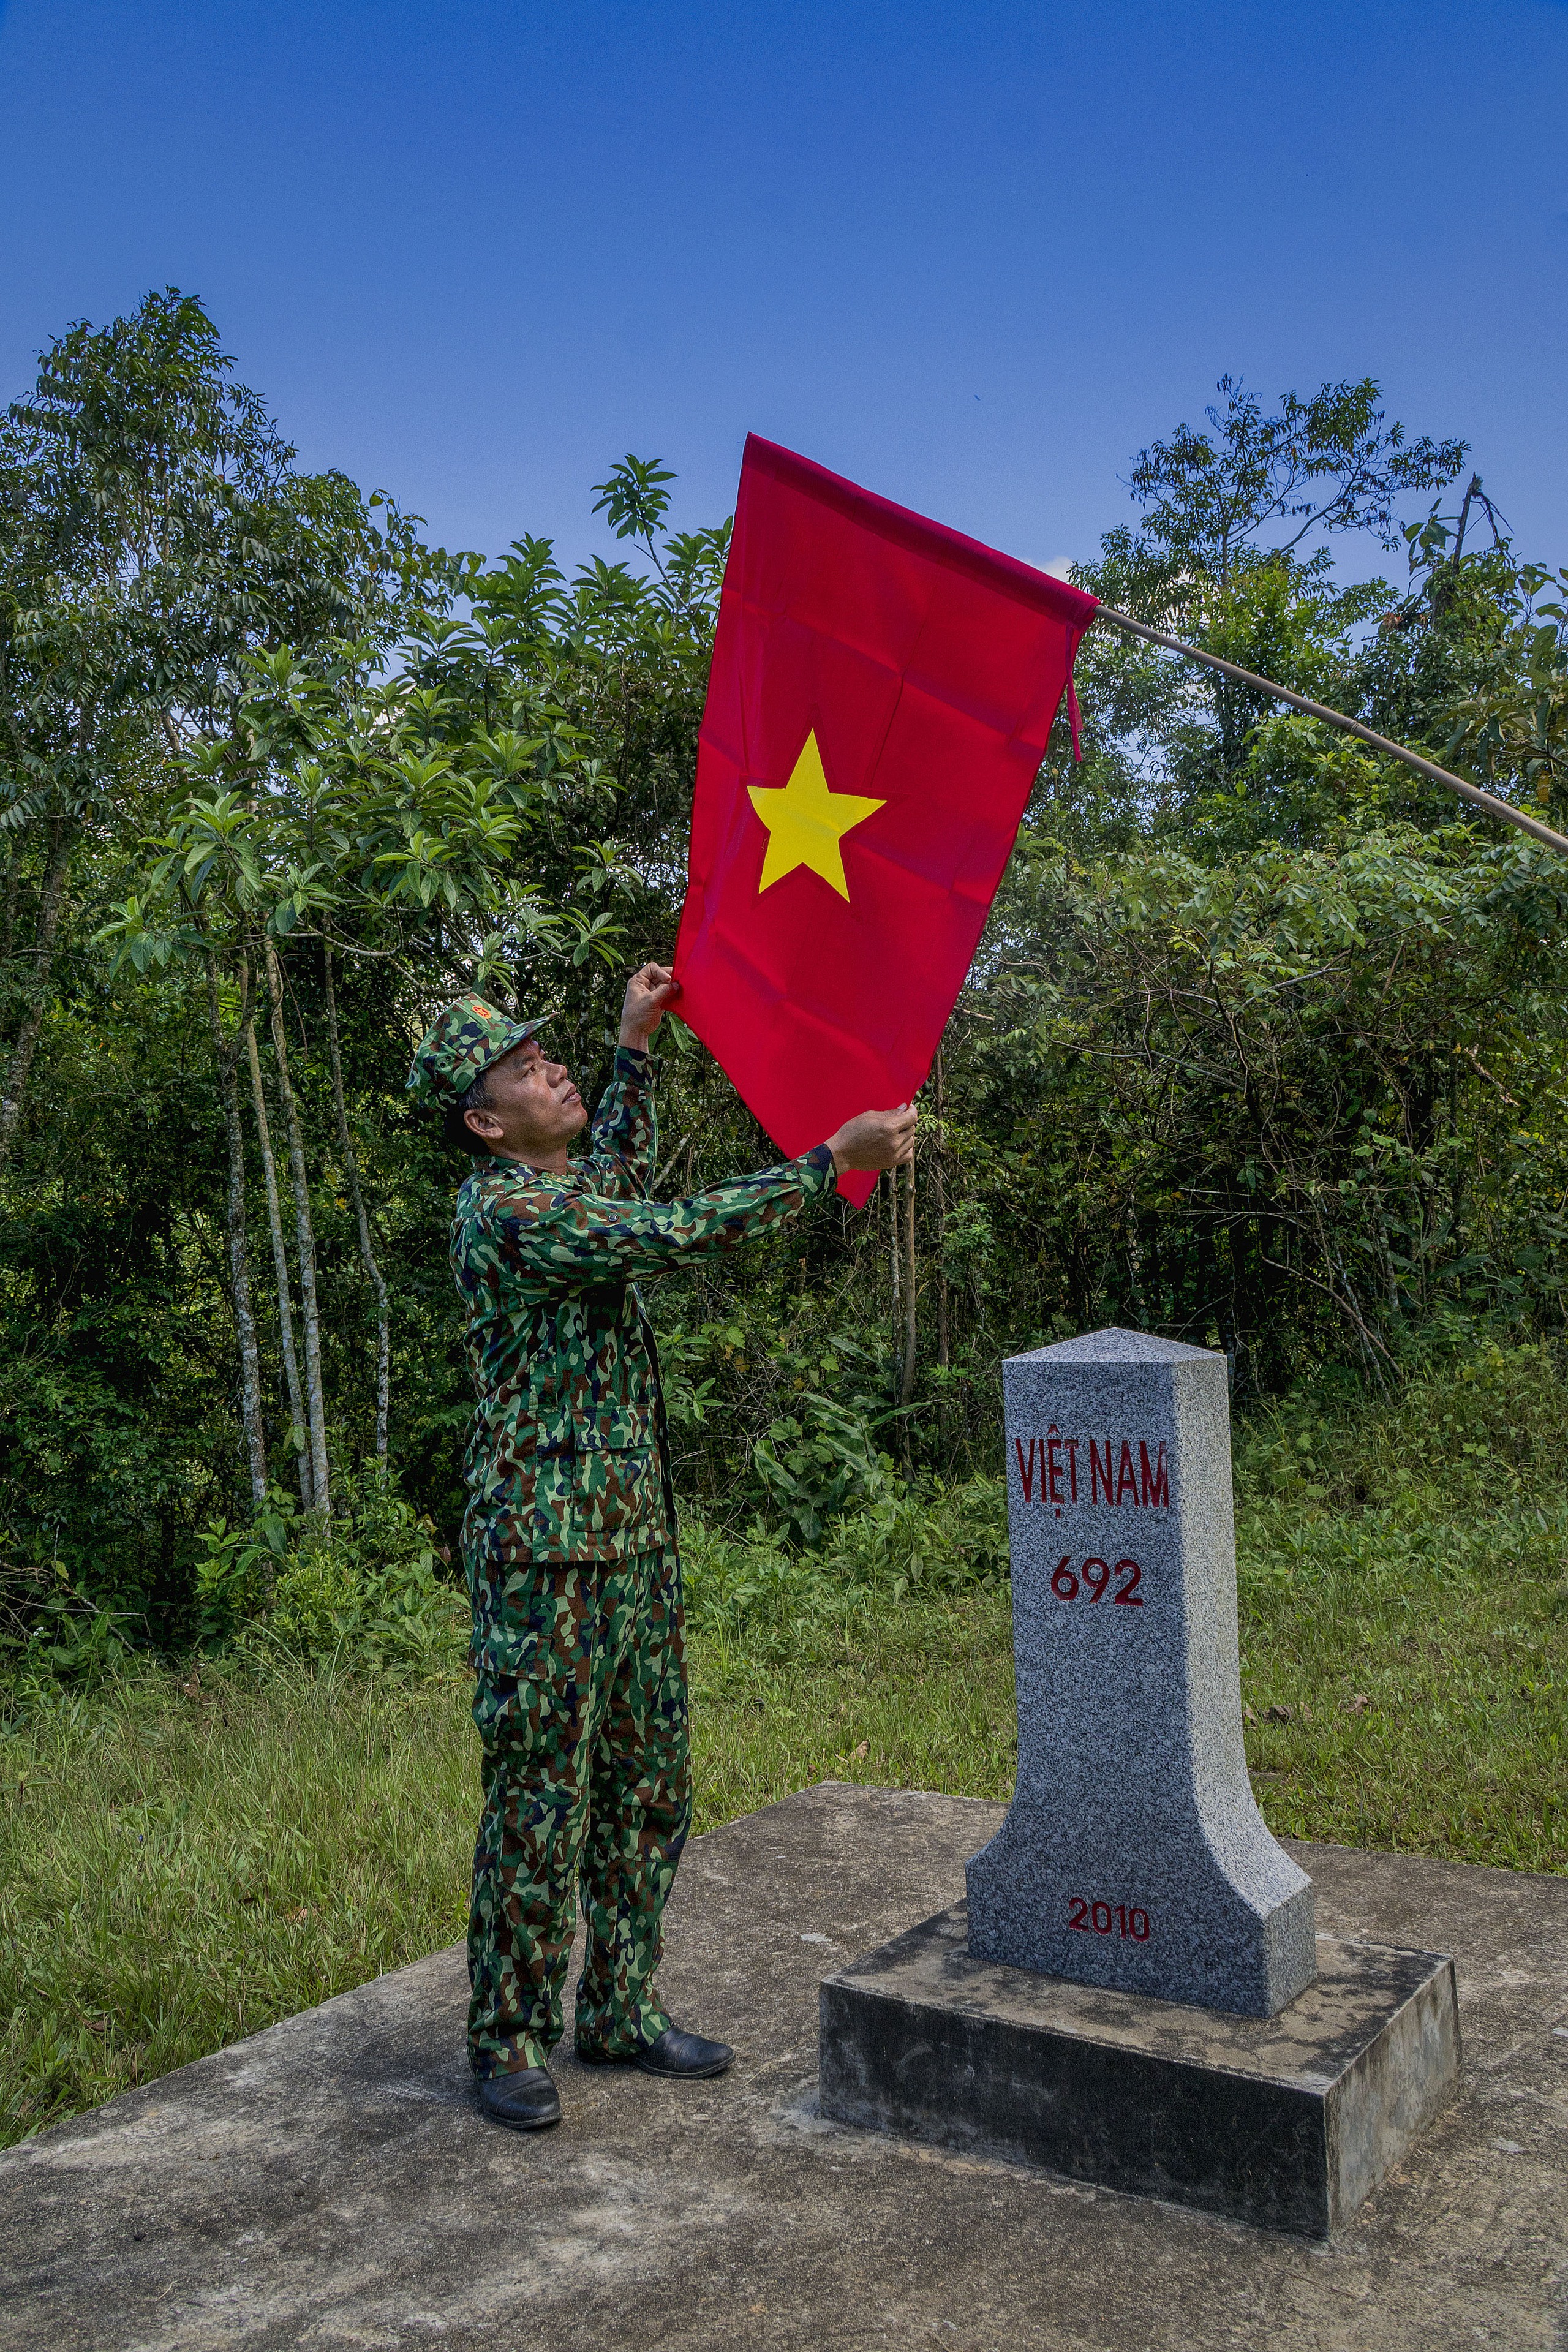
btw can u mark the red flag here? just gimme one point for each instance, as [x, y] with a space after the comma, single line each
[882, 693]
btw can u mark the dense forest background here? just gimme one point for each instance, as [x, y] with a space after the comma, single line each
[1265, 1047]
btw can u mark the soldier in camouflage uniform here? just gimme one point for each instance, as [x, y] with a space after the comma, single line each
[569, 1539]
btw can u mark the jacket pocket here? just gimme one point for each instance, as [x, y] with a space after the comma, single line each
[617, 1483]
[618, 1429]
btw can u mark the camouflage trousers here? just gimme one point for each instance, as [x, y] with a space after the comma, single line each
[586, 1775]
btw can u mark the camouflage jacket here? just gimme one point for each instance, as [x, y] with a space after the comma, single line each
[569, 1458]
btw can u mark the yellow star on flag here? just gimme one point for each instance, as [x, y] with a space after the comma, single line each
[805, 822]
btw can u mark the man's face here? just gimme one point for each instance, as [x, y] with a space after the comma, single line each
[533, 1110]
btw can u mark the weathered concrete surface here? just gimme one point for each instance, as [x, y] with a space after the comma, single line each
[1287, 2121]
[331, 2183]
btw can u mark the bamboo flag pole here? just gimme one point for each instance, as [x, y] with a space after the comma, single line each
[1471, 793]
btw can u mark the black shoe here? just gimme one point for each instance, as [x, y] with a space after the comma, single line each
[687, 2057]
[525, 2101]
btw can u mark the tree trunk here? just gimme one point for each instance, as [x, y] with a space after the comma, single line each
[315, 1402]
[1203, 1285]
[1154, 1277]
[367, 1255]
[894, 1268]
[1135, 1269]
[50, 899]
[239, 1264]
[280, 1270]
[12, 885]
[941, 1338]
[907, 1385]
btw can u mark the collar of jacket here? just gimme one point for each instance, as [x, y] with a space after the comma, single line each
[487, 1162]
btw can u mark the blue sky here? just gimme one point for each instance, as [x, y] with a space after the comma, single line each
[972, 256]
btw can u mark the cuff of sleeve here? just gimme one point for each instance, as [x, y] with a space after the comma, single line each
[632, 1062]
[821, 1159]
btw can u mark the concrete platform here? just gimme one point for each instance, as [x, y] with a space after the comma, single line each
[330, 2183]
[1288, 2122]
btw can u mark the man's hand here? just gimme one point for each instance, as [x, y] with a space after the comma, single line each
[878, 1138]
[649, 994]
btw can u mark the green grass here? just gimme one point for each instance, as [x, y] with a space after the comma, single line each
[1403, 1581]
[180, 1865]
[184, 1859]
[1425, 1683]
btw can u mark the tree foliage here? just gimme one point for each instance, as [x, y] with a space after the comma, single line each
[1264, 1047]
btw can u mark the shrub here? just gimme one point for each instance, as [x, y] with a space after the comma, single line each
[916, 1537]
[1487, 1429]
[367, 1586]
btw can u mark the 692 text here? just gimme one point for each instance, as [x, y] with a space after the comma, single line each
[1092, 1578]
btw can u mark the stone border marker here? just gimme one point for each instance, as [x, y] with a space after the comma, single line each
[1133, 1854]
[1134, 1993]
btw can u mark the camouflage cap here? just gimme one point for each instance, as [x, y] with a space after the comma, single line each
[469, 1036]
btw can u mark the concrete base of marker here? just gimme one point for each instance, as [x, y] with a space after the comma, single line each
[1287, 2121]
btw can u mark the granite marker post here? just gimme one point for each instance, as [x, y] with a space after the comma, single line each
[1133, 1854]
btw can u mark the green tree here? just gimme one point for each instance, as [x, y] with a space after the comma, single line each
[1236, 552]
[1263, 1048]
[153, 534]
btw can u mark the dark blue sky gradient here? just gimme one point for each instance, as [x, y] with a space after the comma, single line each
[972, 256]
